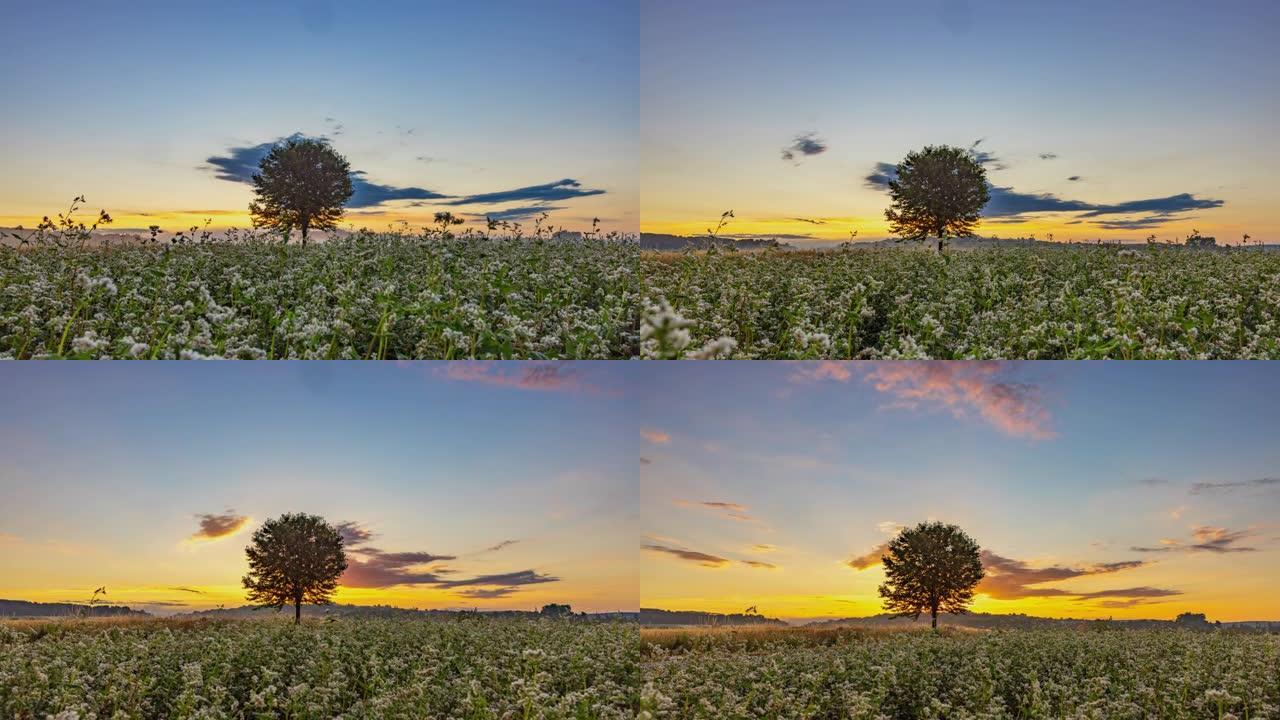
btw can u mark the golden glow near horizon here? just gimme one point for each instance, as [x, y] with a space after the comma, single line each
[836, 230]
[804, 589]
[218, 221]
[776, 485]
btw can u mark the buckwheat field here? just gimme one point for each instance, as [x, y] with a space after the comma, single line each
[468, 669]
[1071, 302]
[796, 673]
[364, 296]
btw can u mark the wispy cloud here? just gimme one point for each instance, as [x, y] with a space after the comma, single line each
[760, 565]
[565, 189]
[506, 580]
[962, 389]
[965, 389]
[704, 559]
[1009, 579]
[371, 567]
[825, 370]
[655, 437]
[500, 546]
[487, 593]
[536, 376]
[1204, 538]
[1231, 486]
[730, 510]
[515, 214]
[219, 525]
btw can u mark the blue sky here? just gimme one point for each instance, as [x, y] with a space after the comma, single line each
[1137, 101]
[1051, 465]
[110, 470]
[125, 103]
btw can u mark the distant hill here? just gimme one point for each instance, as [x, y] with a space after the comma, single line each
[660, 241]
[386, 612]
[652, 616]
[25, 609]
[670, 243]
[1017, 621]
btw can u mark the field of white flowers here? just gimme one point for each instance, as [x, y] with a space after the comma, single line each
[1070, 302]
[469, 669]
[369, 295]
[1108, 675]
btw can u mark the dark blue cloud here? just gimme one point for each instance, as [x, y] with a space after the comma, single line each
[881, 175]
[985, 157]
[805, 144]
[558, 190]
[367, 194]
[521, 213]
[1007, 203]
[1135, 224]
[1182, 202]
[239, 164]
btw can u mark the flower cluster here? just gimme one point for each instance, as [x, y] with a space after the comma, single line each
[1000, 675]
[1070, 302]
[363, 296]
[353, 668]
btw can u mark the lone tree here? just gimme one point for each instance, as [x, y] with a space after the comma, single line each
[301, 183]
[294, 558]
[939, 192]
[931, 567]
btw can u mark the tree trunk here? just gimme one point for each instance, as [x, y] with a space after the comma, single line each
[297, 611]
[305, 226]
[935, 619]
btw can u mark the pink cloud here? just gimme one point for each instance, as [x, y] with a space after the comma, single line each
[548, 376]
[657, 437]
[966, 388]
[826, 370]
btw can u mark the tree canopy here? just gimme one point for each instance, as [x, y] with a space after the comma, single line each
[932, 567]
[293, 559]
[302, 183]
[939, 192]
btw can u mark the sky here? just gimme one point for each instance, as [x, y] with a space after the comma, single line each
[157, 112]
[456, 485]
[1093, 119]
[1095, 490]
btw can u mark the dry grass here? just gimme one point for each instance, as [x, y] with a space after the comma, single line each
[752, 638]
[55, 625]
